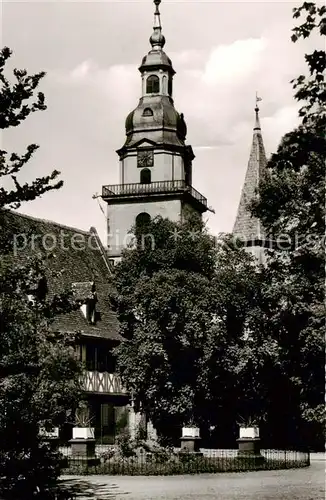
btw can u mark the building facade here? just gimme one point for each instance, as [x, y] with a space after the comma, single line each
[76, 261]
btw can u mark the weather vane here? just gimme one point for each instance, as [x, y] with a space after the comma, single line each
[257, 99]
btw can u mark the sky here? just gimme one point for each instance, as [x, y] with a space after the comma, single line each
[223, 52]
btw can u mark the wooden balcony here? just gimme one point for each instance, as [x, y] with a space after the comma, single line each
[103, 383]
[117, 191]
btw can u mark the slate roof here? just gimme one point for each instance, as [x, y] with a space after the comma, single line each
[246, 227]
[79, 259]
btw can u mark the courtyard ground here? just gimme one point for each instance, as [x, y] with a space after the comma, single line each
[297, 484]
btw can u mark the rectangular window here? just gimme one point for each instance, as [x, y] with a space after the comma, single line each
[100, 359]
[91, 356]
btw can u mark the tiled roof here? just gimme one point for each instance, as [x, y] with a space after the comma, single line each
[247, 227]
[78, 258]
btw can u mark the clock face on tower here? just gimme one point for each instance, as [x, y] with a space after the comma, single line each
[145, 159]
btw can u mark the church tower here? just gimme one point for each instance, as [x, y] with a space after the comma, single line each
[246, 227]
[155, 163]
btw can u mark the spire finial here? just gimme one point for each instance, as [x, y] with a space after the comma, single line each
[157, 39]
[257, 122]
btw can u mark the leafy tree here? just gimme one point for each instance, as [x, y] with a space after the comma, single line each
[163, 300]
[291, 207]
[241, 355]
[39, 375]
[185, 307]
[311, 90]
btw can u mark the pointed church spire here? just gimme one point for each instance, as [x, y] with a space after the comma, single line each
[157, 40]
[246, 227]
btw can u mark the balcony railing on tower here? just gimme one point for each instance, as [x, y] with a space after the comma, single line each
[161, 187]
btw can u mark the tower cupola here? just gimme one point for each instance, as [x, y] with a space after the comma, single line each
[155, 118]
[157, 58]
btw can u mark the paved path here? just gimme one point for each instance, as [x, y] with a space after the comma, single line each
[298, 484]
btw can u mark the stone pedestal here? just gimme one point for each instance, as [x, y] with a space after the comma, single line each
[83, 446]
[190, 445]
[190, 440]
[83, 450]
[249, 445]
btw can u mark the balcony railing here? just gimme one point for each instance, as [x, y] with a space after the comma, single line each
[103, 382]
[137, 189]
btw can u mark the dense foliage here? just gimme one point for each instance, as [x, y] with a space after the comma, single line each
[39, 375]
[164, 305]
[197, 348]
[291, 206]
[214, 340]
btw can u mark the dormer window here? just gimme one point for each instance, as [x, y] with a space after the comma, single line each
[86, 293]
[38, 292]
[153, 85]
[147, 112]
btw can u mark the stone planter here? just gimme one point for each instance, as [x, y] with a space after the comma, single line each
[190, 440]
[190, 432]
[83, 433]
[249, 432]
[249, 444]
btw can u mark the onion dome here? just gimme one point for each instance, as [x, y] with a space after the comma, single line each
[156, 118]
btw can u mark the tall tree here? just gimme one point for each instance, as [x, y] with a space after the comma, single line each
[185, 307]
[163, 300]
[241, 354]
[291, 207]
[39, 375]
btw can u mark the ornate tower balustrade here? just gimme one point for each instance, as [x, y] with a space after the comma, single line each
[164, 187]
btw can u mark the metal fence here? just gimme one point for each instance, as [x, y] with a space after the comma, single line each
[167, 463]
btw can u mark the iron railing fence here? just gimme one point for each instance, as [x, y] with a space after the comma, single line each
[169, 463]
[138, 189]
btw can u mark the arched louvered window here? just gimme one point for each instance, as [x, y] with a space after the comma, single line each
[143, 219]
[153, 85]
[145, 176]
[147, 112]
